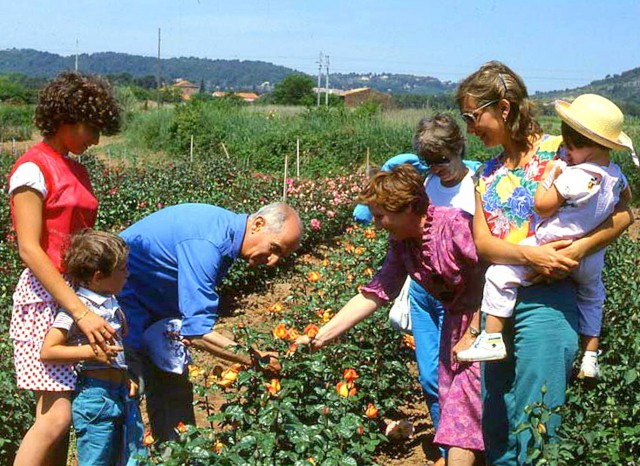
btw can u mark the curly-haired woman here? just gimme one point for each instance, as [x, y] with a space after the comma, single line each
[51, 198]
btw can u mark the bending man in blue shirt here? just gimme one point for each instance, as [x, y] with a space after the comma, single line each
[177, 257]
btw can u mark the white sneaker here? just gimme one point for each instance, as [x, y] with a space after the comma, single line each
[589, 368]
[487, 347]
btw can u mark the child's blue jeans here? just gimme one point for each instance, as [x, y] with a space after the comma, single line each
[101, 421]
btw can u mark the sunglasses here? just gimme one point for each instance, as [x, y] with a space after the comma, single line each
[472, 117]
[439, 162]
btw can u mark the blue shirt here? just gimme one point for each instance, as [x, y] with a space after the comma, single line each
[177, 257]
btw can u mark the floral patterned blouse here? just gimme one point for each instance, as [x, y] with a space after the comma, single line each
[507, 195]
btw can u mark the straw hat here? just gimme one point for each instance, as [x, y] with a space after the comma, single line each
[596, 118]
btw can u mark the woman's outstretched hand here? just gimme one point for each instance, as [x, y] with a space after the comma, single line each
[314, 343]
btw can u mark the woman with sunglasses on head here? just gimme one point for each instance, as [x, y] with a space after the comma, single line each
[542, 336]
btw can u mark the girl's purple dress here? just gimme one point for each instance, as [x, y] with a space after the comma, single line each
[445, 263]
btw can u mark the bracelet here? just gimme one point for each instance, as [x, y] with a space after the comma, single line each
[474, 332]
[86, 311]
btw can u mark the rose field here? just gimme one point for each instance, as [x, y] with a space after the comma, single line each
[329, 407]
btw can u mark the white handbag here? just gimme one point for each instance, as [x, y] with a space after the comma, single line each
[400, 312]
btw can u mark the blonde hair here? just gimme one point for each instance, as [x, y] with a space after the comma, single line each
[495, 81]
[396, 190]
[90, 251]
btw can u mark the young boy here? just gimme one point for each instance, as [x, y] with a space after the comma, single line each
[103, 408]
[574, 199]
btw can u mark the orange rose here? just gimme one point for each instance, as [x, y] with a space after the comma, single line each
[274, 387]
[293, 334]
[275, 308]
[195, 371]
[229, 376]
[218, 446]
[293, 347]
[371, 411]
[359, 250]
[346, 389]
[147, 439]
[370, 233]
[368, 272]
[313, 276]
[350, 375]
[360, 430]
[280, 331]
[181, 428]
[410, 342]
[311, 330]
[311, 460]
[326, 316]
[325, 262]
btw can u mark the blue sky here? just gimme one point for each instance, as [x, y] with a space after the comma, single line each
[552, 44]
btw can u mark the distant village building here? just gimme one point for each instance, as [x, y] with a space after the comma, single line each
[187, 88]
[355, 97]
[246, 96]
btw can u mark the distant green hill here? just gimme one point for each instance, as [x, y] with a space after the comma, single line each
[623, 89]
[228, 75]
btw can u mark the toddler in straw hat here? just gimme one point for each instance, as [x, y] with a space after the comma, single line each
[575, 197]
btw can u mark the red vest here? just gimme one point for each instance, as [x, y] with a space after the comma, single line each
[70, 204]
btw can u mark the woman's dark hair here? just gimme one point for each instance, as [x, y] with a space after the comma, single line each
[77, 98]
[572, 138]
[495, 81]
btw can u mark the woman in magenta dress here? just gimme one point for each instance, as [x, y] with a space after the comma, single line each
[51, 198]
[435, 246]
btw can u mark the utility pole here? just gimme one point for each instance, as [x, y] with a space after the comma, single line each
[326, 95]
[158, 71]
[76, 55]
[319, 78]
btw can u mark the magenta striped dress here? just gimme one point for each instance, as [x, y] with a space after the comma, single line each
[445, 263]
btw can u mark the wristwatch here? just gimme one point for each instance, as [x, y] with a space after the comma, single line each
[474, 331]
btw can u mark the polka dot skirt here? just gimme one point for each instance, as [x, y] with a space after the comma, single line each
[34, 310]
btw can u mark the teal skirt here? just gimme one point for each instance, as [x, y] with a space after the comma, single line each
[542, 344]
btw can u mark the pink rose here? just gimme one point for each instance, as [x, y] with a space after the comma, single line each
[315, 224]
